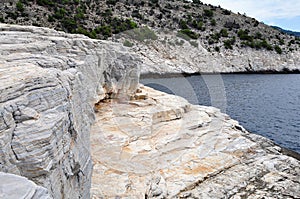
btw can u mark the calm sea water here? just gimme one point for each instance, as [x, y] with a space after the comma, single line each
[268, 105]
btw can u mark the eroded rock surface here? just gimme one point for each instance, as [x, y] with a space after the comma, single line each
[160, 146]
[161, 57]
[49, 83]
[152, 146]
[16, 187]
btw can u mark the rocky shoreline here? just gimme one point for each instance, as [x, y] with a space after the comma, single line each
[163, 58]
[160, 146]
[167, 75]
[75, 123]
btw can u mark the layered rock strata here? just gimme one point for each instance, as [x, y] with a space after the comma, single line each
[160, 146]
[163, 56]
[49, 83]
[144, 145]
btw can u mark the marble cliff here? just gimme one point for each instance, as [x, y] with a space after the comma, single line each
[75, 123]
[50, 82]
[161, 57]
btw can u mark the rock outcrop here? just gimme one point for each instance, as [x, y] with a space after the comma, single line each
[164, 56]
[16, 187]
[49, 83]
[194, 36]
[160, 146]
[66, 100]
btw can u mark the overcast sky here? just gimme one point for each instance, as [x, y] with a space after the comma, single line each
[282, 13]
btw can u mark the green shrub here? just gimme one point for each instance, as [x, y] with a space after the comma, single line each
[51, 18]
[13, 15]
[142, 34]
[281, 41]
[226, 12]
[265, 45]
[258, 35]
[60, 13]
[127, 43]
[215, 36]
[186, 7]
[217, 48]
[291, 42]
[211, 41]
[20, 6]
[183, 36]
[213, 22]
[278, 49]
[243, 35]
[183, 24]
[106, 31]
[107, 13]
[136, 14]
[69, 25]
[45, 2]
[197, 24]
[229, 42]
[92, 34]
[189, 33]
[194, 43]
[224, 33]
[197, 2]
[79, 14]
[111, 2]
[256, 23]
[2, 19]
[208, 13]
[65, 1]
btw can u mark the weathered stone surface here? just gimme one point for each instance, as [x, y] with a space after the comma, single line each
[163, 147]
[16, 187]
[154, 145]
[161, 57]
[49, 83]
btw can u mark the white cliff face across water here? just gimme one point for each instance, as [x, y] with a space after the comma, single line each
[160, 146]
[161, 57]
[66, 99]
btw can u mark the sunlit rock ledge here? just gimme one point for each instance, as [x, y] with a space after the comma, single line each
[66, 100]
[160, 146]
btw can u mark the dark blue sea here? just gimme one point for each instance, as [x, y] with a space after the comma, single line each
[265, 104]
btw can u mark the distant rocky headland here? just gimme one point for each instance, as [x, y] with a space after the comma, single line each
[76, 123]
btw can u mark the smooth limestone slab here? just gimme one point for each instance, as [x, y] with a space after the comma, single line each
[163, 147]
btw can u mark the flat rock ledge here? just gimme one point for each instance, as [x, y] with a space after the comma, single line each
[160, 146]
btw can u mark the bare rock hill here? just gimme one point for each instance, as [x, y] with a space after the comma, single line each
[219, 40]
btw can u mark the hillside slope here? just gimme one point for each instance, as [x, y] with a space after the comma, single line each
[206, 31]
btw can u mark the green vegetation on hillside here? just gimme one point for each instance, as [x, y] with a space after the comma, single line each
[217, 28]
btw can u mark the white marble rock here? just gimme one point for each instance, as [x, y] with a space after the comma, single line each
[49, 83]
